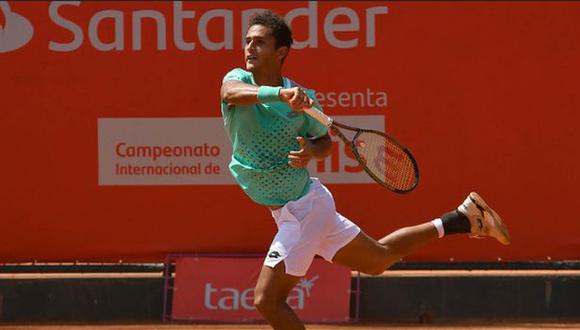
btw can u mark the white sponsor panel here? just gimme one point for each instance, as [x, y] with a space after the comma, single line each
[163, 151]
[196, 151]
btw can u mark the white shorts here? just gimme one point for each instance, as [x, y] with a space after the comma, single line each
[307, 227]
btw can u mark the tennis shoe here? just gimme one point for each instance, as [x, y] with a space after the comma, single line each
[485, 222]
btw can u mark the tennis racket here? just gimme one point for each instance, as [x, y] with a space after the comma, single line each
[384, 159]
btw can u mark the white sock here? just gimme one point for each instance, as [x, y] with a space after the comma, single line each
[439, 226]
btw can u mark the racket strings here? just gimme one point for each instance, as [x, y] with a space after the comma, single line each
[386, 160]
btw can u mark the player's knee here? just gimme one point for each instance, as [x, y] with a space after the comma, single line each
[266, 303]
[374, 270]
[377, 268]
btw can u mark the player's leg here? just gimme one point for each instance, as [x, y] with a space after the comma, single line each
[473, 216]
[373, 257]
[301, 227]
[271, 292]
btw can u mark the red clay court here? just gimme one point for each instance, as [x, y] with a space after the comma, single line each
[455, 326]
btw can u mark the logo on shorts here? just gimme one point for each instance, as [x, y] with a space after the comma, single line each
[15, 30]
[274, 255]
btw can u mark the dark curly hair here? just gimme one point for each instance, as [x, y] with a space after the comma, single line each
[280, 30]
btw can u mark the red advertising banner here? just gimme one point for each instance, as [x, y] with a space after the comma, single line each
[222, 289]
[114, 148]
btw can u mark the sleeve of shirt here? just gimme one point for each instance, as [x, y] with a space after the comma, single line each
[238, 74]
[313, 128]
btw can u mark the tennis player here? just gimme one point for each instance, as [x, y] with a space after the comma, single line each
[273, 141]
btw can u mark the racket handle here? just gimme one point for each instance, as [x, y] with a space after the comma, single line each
[319, 115]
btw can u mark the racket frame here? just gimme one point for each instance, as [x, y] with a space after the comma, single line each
[333, 126]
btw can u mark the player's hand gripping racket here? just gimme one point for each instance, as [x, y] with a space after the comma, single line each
[385, 160]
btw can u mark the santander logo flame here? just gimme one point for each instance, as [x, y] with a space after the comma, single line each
[15, 30]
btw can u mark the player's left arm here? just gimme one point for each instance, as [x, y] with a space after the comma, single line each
[318, 147]
[315, 142]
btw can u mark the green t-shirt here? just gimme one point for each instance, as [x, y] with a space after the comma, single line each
[262, 135]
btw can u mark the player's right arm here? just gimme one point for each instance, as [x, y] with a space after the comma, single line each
[240, 93]
[237, 92]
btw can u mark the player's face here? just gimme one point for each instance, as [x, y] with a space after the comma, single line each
[260, 52]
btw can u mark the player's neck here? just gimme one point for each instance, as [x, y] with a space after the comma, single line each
[269, 78]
